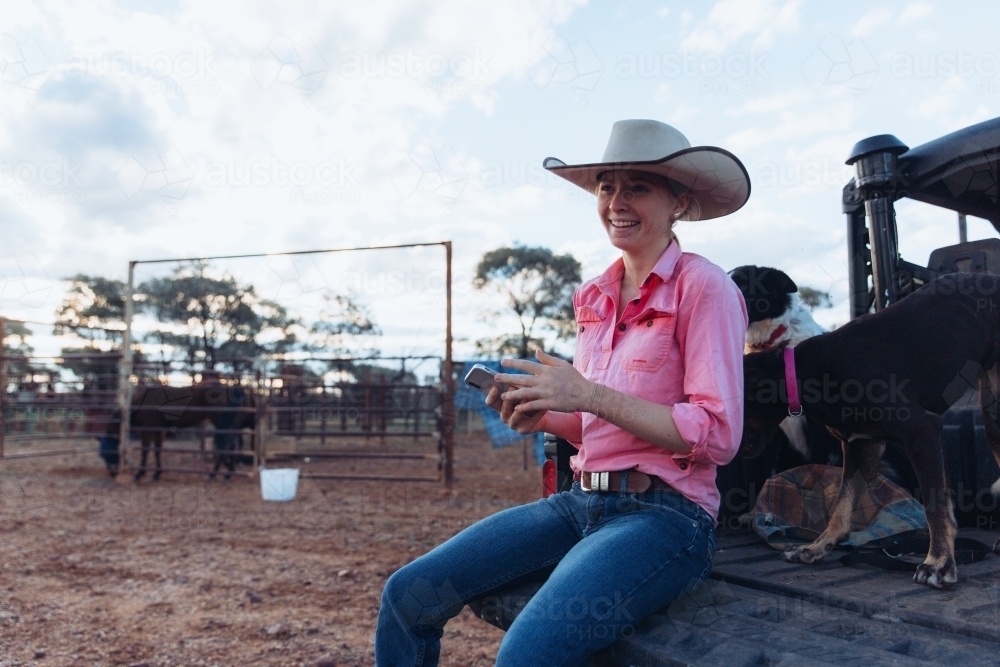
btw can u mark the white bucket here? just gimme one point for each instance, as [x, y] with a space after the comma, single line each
[278, 483]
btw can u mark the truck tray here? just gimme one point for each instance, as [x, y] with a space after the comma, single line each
[757, 609]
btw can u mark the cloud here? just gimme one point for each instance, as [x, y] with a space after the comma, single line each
[75, 114]
[729, 21]
[872, 20]
[914, 12]
[18, 234]
[835, 115]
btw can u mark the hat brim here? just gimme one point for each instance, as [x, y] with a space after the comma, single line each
[716, 181]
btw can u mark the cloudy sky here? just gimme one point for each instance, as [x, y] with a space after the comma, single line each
[139, 130]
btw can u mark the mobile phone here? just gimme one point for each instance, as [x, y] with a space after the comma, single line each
[480, 377]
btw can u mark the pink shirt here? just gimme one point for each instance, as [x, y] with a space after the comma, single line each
[679, 343]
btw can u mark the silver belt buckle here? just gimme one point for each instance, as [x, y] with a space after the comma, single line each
[599, 481]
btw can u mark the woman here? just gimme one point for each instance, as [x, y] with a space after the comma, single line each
[653, 400]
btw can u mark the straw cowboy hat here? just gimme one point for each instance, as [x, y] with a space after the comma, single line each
[715, 180]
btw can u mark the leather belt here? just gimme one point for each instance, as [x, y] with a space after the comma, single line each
[611, 482]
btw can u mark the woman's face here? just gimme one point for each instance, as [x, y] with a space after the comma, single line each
[637, 210]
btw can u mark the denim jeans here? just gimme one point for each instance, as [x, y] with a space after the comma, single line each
[611, 559]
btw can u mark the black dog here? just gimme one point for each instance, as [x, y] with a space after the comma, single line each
[889, 376]
[778, 316]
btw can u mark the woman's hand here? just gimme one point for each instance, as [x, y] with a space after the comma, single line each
[553, 384]
[522, 422]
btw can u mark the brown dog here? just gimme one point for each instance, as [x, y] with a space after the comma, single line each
[889, 376]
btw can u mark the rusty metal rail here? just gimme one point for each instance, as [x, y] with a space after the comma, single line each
[376, 478]
[51, 452]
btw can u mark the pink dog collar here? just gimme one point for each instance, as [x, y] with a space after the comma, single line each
[792, 384]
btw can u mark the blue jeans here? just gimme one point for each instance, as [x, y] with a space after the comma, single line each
[614, 559]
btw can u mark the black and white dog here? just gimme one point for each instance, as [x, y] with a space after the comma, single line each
[777, 316]
[776, 313]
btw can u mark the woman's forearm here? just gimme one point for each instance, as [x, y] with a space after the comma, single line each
[566, 425]
[650, 421]
[555, 386]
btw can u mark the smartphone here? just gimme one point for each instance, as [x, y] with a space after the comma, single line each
[480, 377]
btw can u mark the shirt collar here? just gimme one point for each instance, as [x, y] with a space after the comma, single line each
[664, 269]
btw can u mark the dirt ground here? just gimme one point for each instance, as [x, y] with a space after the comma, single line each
[182, 571]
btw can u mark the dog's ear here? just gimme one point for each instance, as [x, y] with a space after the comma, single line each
[785, 284]
[740, 277]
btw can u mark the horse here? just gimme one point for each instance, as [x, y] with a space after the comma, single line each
[157, 408]
[242, 414]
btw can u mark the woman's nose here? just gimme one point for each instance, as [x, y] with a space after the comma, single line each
[621, 199]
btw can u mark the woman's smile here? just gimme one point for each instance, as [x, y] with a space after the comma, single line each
[622, 224]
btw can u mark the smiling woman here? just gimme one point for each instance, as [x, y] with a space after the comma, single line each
[638, 210]
[654, 403]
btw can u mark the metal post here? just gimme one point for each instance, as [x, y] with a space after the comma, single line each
[3, 389]
[125, 372]
[881, 224]
[449, 381]
[858, 255]
[963, 229]
[260, 425]
[876, 163]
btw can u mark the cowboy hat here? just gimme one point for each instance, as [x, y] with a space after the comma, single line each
[714, 179]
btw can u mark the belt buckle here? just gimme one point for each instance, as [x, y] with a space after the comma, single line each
[599, 481]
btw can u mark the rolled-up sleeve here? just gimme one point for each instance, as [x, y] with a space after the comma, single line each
[711, 330]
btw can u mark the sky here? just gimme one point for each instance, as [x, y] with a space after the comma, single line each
[137, 130]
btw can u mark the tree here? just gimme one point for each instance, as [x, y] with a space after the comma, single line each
[21, 371]
[93, 309]
[208, 320]
[215, 320]
[15, 339]
[16, 350]
[343, 324]
[537, 285]
[813, 298]
[342, 317]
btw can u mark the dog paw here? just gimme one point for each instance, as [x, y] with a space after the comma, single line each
[805, 554]
[936, 576]
[746, 521]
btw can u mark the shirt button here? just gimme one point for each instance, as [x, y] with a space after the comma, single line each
[649, 323]
[621, 327]
[683, 465]
[581, 329]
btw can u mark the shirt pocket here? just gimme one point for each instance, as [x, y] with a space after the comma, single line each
[588, 325]
[650, 342]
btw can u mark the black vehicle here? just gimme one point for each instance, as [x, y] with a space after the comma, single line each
[756, 609]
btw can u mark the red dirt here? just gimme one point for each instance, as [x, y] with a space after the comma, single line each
[187, 572]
